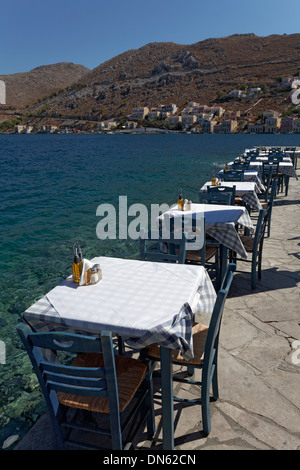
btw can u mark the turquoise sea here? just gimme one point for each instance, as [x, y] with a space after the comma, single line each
[51, 186]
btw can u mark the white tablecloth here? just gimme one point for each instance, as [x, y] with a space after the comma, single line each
[220, 221]
[144, 302]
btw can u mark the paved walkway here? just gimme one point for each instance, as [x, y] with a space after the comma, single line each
[259, 405]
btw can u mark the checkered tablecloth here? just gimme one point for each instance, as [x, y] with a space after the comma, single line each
[142, 301]
[285, 167]
[220, 222]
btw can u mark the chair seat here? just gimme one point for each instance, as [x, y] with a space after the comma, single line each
[130, 373]
[247, 242]
[195, 255]
[199, 332]
[238, 200]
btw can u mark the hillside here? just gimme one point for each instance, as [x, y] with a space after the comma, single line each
[174, 73]
[163, 73]
[23, 89]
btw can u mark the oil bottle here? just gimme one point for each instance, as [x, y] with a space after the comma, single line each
[76, 265]
[180, 201]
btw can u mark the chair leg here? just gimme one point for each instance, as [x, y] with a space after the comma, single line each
[253, 275]
[205, 402]
[215, 386]
[150, 403]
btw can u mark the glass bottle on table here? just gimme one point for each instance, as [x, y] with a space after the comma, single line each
[213, 180]
[180, 201]
[76, 269]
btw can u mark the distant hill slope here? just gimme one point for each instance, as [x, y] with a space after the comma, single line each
[27, 87]
[174, 73]
[162, 73]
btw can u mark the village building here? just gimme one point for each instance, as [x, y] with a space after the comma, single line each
[107, 125]
[287, 125]
[207, 126]
[139, 113]
[272, 125]
[256, 128]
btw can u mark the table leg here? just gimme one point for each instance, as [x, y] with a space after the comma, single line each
[167, 399]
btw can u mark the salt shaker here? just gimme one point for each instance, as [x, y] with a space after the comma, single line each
[96, 274]
[188, 205]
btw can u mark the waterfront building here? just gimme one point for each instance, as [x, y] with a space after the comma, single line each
[174, 120]
[226, 127]
[19, 128]
[256, 128]
[207, 126]
[188, 119]
[272, 124]
[130, 125]
[2, 92]
[287, 124]
[107, 125]
[296, 126]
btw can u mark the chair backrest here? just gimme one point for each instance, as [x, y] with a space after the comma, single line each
[260, 229]
[274, 166]
[215, 197]
[155, 246]
[273, 192]
[56, 377]
[223, 190]
[240, 165]
[195, 242]
[275, 158]
[267, 176]
[212, 341]
[233, 175]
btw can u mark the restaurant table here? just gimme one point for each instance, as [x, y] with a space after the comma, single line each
[144, 302]
[220, 223]
[246, 190]
[249, 175]
[285, 167]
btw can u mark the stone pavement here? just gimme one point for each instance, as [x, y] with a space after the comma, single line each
[259, 365]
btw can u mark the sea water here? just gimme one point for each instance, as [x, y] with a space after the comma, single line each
[51, 186]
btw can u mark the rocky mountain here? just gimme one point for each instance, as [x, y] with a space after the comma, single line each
[163, 73]
[23, 89]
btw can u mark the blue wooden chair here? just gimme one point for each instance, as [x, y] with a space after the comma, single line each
[267, 178]
[204, 251]
[269, 206]
[233, 175]
[223, 190]
[205, 344]
[214, 197]
[241, 165]
[97, 381]
[157, 247]
[254, 246]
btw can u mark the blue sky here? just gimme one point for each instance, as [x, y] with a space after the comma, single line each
[35, 32]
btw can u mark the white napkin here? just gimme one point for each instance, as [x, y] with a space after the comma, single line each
[86, 264]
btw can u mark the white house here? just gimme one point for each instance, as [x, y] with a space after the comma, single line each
[188, 120]
[174, 120]
[2, 92]
[107, 125]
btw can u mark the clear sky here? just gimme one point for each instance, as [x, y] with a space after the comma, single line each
[89, 32]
